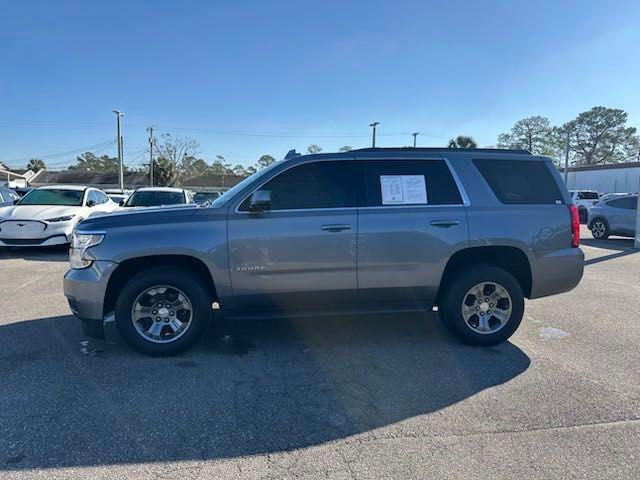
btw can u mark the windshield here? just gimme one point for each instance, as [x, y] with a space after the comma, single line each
[150, 198]
[222, 199]
[53, 196]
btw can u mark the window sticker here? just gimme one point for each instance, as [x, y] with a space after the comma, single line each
[403, 189]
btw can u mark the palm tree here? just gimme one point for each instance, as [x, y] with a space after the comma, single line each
[36, 164]
[462, 141]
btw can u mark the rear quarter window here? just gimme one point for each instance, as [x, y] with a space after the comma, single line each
[520, 181]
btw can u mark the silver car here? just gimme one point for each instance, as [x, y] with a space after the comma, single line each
[614, 216]
[470, 231]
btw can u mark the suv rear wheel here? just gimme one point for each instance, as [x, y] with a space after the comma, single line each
[162, 311]
[483, 306]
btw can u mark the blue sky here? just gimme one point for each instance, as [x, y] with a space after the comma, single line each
[304, 72]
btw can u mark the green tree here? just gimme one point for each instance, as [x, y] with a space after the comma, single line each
[88, 161]
[462, 141]
[600, 135]
[265, 161]
[313, 148]
[165, 172]
[346, 148]
[534, 134]
[36, 164]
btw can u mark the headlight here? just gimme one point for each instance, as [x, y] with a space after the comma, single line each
[59, 219]
[80, 242]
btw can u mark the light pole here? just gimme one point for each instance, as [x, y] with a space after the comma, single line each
[373, 125]
[120, 159]
[151, 142]
[415, 135]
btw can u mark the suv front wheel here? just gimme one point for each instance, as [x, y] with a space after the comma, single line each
[483, 305]
[162, 311]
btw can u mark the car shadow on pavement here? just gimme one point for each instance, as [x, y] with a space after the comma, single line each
[277, 386]
[621, 246]
[58, 253]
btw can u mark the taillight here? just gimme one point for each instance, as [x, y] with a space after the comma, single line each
[575, 226]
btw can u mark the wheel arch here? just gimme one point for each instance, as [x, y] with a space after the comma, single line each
[511, 259]
[128, 268]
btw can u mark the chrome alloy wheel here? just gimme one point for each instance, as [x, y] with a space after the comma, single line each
[162, 314]
[598, 228]
[486, 307]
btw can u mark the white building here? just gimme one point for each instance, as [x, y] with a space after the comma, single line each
[617, 177]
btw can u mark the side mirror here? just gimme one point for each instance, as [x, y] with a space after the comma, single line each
[121, 203]
[91, 203]
[15, 202]
[260, 201]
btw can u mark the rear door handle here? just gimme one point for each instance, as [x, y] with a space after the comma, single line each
[444, 223]
[337, 227]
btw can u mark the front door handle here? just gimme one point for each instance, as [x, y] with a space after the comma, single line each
[335, 227]
[444, 223]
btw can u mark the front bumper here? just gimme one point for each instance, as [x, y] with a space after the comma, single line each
[556, 272]
[51, 234]
[85, 289]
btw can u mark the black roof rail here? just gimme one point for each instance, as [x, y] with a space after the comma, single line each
[441, 149]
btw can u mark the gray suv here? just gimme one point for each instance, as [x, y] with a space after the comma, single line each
[614, 216]
[472, 232]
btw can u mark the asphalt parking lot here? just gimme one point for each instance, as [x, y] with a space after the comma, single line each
[382, 397]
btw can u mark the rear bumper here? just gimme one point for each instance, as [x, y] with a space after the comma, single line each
[556, 272]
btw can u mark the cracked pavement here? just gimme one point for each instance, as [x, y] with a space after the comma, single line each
[353, 398]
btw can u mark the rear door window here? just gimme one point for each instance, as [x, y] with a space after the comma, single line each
[520, 181]
[410, 182]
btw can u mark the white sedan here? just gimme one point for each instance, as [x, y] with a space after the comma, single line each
[47, 215]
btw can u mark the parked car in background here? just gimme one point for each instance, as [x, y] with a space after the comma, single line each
[47, 215]
[117, 195]
[614, 216]
[7, 196]
[584, 200]
[607, 196]
[472, 231]
[201, 197]
[119, 198]
[157, 196]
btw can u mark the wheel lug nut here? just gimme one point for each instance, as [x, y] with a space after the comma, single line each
[157, 319]
[477, 308]
[166, 320]
[154, 312]
[481, 313]
[170, 313]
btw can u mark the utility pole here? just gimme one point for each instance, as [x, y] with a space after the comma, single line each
[566, 161]
[151, 142]
[374, 124]
[415, 135]
[120, 159]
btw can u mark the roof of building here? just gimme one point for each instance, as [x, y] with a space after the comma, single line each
[608, 166]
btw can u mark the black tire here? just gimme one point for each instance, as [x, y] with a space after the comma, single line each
[180, 279]
[599, 229]
[456, 294]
